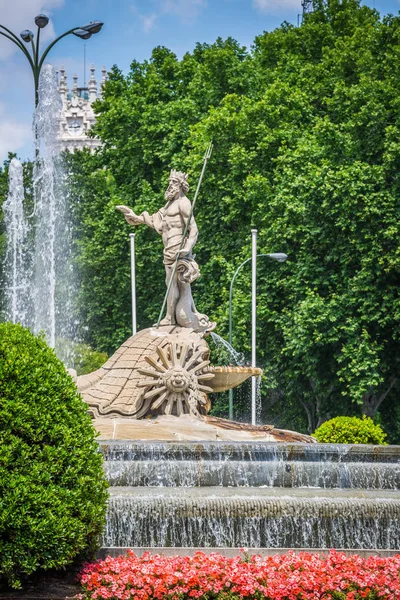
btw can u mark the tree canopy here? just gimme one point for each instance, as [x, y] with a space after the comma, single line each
[305, 128]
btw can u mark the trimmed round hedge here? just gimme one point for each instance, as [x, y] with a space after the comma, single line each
[53, 492]
[350, 430]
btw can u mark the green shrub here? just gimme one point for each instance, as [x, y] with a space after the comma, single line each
[350, 430]
[53, 491]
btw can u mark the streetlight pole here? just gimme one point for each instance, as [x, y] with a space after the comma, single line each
[279, 257]
[253, 321]
[36, 61]
[133, 282]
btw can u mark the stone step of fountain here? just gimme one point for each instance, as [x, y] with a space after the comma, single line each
[248, 451]
[232, 473]
[252, 517]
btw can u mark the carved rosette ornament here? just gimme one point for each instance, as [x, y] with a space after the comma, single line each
[175, 380]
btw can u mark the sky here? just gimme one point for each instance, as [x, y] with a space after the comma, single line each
[132, 28]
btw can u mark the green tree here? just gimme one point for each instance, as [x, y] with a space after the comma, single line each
[306, 130]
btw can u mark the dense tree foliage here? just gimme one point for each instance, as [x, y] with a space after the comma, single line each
[306, 135]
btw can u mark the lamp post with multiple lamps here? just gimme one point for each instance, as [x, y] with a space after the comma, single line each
[280, 257]
[35, 60]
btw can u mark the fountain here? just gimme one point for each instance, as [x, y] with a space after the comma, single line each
[40, 287]
[182, 479]
[16, 262]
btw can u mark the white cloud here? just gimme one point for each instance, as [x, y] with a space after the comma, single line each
[19, 14]
[185, 10]
[277, 7]
[148, 22]
[13, 135]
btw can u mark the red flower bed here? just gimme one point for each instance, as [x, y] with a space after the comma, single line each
[289, 576]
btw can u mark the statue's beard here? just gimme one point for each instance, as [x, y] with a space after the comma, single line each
[170, 194]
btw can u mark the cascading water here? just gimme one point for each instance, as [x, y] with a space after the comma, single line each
[42, 297]
[255, 494]
[17, 263]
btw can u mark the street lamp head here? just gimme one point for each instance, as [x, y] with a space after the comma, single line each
[27, 35]
[41, 21]
[82, 33]
[279, 256]
[93, 27]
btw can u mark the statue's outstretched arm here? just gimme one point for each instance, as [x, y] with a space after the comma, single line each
[154, 221]
[130, 216]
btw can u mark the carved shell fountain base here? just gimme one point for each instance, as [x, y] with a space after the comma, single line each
[187, 428]
[155, 386]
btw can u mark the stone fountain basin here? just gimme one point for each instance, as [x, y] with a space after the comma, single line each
[226, 378]
[119, 387]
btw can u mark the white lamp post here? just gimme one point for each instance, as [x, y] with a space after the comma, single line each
[279, 257]
[133, 281]
[253, 321]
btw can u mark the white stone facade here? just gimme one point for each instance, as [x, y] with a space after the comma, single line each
[77, 116]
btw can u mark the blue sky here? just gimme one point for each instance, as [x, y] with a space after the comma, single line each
[132, 28]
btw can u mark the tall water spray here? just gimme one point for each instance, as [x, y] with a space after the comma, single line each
[53, 286]
[42, 297]
[17, 263]
[47, 176]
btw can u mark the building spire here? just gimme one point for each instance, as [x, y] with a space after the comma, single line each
[63, 88]
[92, 85]
[104, 77]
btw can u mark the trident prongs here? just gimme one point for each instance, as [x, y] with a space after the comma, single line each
[209, 150]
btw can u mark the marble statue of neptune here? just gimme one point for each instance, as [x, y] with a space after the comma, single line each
[170, 222]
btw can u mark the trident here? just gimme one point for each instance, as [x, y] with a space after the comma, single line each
[206, 158]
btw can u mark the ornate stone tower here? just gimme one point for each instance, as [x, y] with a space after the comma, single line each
[77, 116]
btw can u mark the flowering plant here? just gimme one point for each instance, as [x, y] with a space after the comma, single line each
[303, 576]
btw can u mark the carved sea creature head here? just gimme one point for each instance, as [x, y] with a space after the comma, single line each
[178, 182]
